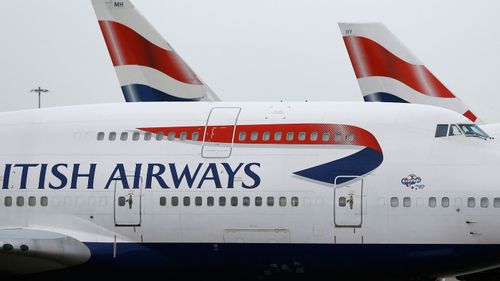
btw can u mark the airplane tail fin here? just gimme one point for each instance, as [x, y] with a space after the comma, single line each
[147, 67]
[388, 72]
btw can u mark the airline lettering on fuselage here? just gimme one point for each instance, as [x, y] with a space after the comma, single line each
[165, 176]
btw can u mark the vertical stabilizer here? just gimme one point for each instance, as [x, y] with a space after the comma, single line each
[147, 67]
[388, 72]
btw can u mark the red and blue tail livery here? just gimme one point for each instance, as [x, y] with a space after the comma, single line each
[147, 67]
[388, 72]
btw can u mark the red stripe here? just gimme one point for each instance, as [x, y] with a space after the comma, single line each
[224, 134]
[470, 116]
[371, 59]
[127, 47]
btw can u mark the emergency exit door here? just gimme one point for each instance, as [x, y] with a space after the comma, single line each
[219, 132]
[348, 210]
[127, 203]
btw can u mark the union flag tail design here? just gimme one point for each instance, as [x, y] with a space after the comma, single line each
[388, 72]
[147, 67]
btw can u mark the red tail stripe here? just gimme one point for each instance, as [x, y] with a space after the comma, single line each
[470, 116]
[371, 59]
[224, 134]
[127, 47]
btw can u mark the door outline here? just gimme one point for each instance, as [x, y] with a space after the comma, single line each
[233, 135]
[353, 179]
[115, 202]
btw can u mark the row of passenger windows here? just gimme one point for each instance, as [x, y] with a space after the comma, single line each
[234, 201]
[242, 136]
[290, 136]
[20, 201]
[135, 136]
[484, 202]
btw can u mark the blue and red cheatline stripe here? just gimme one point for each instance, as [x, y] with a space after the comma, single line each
[357, 164]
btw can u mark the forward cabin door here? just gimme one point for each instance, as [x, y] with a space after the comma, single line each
[348, 210]
[219, 132]
[127, 203]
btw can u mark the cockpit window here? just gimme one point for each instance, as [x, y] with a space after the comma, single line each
[441, 130]
[473, 130]
[454, 131]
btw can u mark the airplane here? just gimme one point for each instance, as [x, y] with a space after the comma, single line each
[148, 68]
[220, 189]
[387, 71]
[371, 44]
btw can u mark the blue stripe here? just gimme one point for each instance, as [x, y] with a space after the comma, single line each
[384, 97]
[141, 93]
[233, 261]
[357, 164]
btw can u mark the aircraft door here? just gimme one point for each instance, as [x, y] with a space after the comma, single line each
[127, 203]
[348, 210]
[219, 132]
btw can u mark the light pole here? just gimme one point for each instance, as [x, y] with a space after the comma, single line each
[39, 90]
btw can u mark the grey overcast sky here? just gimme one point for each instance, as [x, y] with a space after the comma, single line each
[258, 50]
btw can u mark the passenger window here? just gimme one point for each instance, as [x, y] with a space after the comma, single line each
[246, 201]
[441, 130]
[350, 137]
[121, 201]
[454, 131]
[496, 202]
[210, 201]
[171, 136]
[163, 201]
[44, 201]
[270, 201]
[100, 136]
[314, 136]
[234, 201]
[258, 201]
[183, 136]
[342, 201]
[445, 202]
[406, 202]
[186, 201]
[123, 136]
[8, 201]
[394, 201]
[325, 137]
[31, 201]
[471, 202]
[20, 201]
[147, 136]
[112, 136]
[289, 136]
[484, 202]
[254, 136]
[282, 201]
[242, 136]
[174, 201]
[222, 201]
[135, 136]
[432, 202]
[266, 136]
[277, 136]
[295, 201]
[195, 136]
[337, 136]
[198, 201]
[302, 136]
[159, 136]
